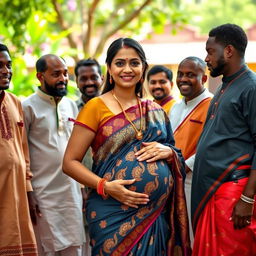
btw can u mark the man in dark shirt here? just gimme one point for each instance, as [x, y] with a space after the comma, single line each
[89, 80]
[224, 178]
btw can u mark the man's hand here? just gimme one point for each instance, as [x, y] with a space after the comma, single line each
[84, 197]
[33, 207]
[187, 169]
[242, 214]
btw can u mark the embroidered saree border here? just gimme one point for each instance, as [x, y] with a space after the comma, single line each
[178, 217]
[135, 235]
[119, 122]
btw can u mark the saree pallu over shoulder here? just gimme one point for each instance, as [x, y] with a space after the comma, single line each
[117, 229]
[118, 127]
[178, 213]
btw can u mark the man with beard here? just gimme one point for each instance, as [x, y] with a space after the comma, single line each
[16, 232]
[224, 176]
[89, 80]
[188, 116]
[58, 220]
[160, 86]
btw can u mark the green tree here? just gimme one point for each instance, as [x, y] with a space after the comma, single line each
[208, 14]
[76, 28]
[38, 37]
[13, 20]
[89, 24]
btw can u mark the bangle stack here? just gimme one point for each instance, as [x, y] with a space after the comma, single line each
[247, 199]
[100, 187]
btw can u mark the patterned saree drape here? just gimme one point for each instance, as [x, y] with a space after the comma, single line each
[117, 229]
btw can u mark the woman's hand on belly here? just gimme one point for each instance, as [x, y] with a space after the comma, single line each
[117, 190]
[153, 151]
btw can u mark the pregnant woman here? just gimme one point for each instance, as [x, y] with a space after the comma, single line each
[136, 204]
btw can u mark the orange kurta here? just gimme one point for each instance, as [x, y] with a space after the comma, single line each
[16, 231]
[188, 132]
[167, 104]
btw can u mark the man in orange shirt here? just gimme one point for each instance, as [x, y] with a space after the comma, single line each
[160, 86]
[16, 230]
[188, 116]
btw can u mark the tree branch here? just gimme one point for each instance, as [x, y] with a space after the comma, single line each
[90, 20]
[63, 26]
[114, 14]
[128, 19]
[83, 22]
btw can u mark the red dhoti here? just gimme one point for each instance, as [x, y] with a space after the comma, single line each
[215, 233]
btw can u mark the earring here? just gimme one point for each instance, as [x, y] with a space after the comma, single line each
[110, 80]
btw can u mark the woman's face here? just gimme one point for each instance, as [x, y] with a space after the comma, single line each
[126, 68]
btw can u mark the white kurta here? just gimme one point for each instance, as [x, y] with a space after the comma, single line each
[178, 113]
[181, 110]
[48, 128]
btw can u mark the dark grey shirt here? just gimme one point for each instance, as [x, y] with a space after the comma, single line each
[87, 160]
[228, 137]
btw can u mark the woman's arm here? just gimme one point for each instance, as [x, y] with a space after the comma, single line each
[79, 142]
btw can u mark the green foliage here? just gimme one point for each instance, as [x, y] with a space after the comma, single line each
[41, 40]
[209, 14]
[32, 28]
[14, 15]
[23, 79]
[127, 18]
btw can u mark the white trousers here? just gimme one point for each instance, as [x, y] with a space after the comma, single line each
[87, 250]
[188, 185]
[69, 251]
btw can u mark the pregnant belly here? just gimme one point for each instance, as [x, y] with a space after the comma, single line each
[151, 178]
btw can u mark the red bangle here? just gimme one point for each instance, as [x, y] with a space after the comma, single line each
[100, 187]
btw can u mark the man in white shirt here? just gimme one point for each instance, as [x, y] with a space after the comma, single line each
[188, 116]
[48, 120]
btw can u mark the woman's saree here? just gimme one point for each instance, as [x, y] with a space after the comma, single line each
[116, 229]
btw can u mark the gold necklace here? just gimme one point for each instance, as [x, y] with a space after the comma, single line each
[139, 133]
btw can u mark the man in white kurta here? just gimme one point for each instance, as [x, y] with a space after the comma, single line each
[48, 120]
[188, 116]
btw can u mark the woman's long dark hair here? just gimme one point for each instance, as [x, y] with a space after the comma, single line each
[111, 53]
